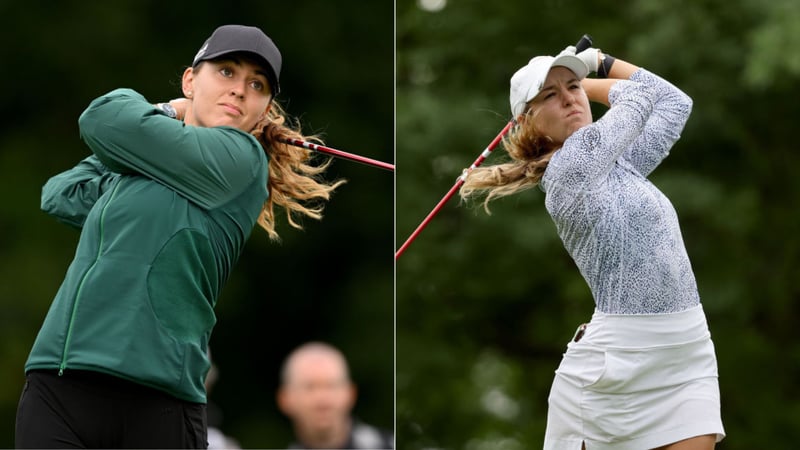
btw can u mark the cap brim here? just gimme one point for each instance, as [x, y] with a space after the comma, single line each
[572, 63]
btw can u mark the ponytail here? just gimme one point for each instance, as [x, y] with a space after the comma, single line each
[530, 153]
[293, 184]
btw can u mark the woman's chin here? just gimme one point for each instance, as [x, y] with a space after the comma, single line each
[222, 122]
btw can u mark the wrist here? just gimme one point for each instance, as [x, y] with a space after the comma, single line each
[168, 109]
[604, 65]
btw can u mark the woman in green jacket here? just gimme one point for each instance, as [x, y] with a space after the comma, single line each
[165, 205]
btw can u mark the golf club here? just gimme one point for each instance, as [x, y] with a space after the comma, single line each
[339, 153]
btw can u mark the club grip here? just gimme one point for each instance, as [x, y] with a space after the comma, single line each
[583, 44]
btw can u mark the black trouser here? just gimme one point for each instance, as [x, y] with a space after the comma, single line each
[83, 409]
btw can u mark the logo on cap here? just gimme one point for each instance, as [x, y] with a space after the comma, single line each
[201, 52]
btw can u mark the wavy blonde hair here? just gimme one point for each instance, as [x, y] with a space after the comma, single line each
[530, 152]
[293, 183]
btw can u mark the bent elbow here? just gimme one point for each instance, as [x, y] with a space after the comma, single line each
[687, 103]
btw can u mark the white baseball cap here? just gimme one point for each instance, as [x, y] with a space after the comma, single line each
[527, 81]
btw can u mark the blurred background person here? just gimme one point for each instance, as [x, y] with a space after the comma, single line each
[317, 395]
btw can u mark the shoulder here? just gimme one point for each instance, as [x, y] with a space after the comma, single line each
[237, 143]
[234, 149]
[368, 436]
[576, 148]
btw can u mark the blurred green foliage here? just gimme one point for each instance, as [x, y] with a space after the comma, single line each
[486, 304]
[333, 281]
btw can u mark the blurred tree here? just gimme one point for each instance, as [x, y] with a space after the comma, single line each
[333, 281]
[486, 304]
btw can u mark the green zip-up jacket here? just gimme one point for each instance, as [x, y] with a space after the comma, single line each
[164, 210]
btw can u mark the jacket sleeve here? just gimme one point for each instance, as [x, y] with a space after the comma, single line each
[587, 157]
[209, 166]
[70, 195]
[671, 109]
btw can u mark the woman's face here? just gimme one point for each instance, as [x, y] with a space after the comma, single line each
[561, 107]
[231, 91]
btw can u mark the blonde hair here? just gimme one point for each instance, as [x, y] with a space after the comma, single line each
[530, 152]
[293, 184]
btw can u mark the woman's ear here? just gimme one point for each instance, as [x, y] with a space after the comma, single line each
[266, 111]
[187, 82]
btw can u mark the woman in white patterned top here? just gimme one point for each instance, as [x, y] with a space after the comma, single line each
[642, 373]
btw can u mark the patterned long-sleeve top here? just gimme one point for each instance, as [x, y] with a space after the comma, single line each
[620, 230]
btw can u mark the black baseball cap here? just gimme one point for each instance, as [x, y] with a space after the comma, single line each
[239, 38]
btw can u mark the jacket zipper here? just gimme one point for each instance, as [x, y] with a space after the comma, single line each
[63, 364]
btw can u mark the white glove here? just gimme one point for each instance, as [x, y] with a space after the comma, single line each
[570, 50]
[590, 57]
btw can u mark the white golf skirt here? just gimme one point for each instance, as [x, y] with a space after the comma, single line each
[636, 382]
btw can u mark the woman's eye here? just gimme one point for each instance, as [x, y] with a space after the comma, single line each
[257, 85]
[226, 72]
[552, 94]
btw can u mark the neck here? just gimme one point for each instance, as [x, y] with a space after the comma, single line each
[189, 118]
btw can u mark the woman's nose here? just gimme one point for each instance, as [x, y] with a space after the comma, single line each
[568, 98]
[238, 89]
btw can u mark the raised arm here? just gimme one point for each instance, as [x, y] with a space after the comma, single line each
[670, 113]
[597, 89]
[70, 195]
[671, 110]
[209, 166]
[589, 155]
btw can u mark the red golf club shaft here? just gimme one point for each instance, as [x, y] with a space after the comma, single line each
[486, 152]
[340, 154]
